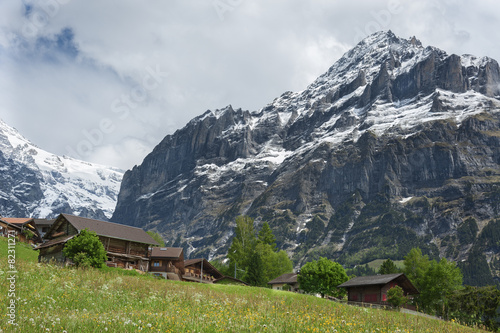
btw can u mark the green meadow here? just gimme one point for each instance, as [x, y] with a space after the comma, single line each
[55, 299]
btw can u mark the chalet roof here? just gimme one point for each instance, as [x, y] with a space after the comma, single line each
[17, 220]
[166, 252]
[110, 229]
[285, 278]
[230, 278]
[21, 223]
[383, 279]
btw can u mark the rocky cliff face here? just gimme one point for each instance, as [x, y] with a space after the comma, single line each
[395, 146]
[35, 183]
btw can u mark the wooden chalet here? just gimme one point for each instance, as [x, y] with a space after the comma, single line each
[287, 281]
[373, 289]
[167, 262]
[126, 246]
[23, 228]
[200, 270]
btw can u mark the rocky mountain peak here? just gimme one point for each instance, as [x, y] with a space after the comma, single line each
[36, 183]
[392, 139]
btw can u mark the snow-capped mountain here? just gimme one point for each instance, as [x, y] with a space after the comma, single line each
[36, 183]
[395, 146]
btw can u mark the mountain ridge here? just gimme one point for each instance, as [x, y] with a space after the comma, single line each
[388, 125]
[40, 184]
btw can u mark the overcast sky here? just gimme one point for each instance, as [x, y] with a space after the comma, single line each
[105, 81]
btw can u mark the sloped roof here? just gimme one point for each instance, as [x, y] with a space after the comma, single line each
[383, 279]
[110, 229]
[53, 242]
[166, 252]
[17, 220]
[285, 278]
[370, 280]
[231, 279]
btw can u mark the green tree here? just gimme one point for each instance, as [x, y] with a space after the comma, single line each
[243, 243]
[266, 236]
[475, 306]
[322, 277]
[415, 266]
[157, 237]
[273, 263]
[388, 267]
[439, 282]
[255, 273]
[256, 256]
[86, 249]
[396, 297]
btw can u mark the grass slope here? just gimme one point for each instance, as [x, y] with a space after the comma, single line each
[53, 299]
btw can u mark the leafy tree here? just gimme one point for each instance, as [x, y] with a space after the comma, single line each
[415, 266]
[86, 250]
[396, 297]
[157, 237]
[438, 284]
[244, 242]
[436, 281]
[273, 263]
[256, 256]
[266, 236]
[388, 267]
[323, 277]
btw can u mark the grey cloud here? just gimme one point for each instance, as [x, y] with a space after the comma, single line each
[258, 50]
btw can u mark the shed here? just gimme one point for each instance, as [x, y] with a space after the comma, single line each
[373, 288]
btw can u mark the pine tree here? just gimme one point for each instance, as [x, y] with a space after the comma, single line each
[388, 267]
[266, 236]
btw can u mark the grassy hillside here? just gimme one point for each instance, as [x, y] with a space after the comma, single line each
[53, 299]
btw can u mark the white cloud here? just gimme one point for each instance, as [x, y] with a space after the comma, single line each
[259, 50]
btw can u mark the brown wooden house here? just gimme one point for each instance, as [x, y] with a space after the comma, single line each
[287, 281]
[126, 246]
[200, 270]
[373, 289]
[167, 262]
[23, 228]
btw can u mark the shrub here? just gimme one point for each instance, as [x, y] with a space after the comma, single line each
[86, 249]
[396, 297]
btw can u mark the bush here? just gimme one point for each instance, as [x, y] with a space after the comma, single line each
[396, 297]
[86, 249]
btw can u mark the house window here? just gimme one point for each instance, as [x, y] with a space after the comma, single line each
[156, 263]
